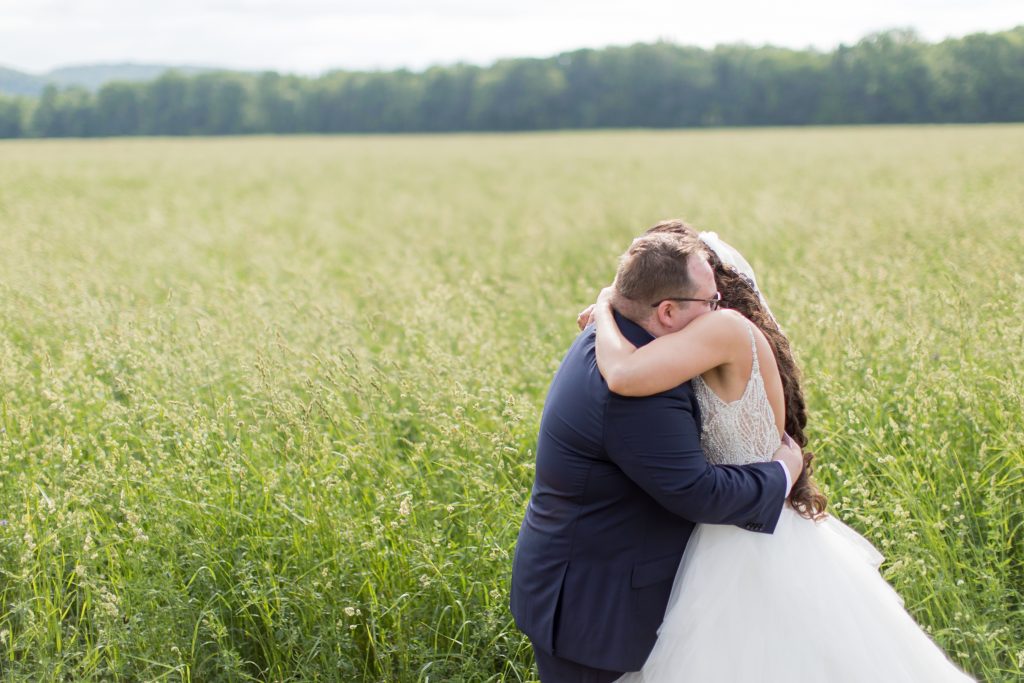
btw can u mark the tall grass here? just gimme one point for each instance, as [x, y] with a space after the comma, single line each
[268, 405]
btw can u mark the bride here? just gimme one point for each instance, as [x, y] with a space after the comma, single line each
[840, 621]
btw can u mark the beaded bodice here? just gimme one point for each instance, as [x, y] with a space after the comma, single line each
[741, 431]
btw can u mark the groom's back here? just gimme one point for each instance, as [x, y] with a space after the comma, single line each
[596, 554]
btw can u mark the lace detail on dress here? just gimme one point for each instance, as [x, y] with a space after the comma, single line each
[741, 431]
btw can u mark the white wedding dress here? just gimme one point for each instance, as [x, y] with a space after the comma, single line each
[805, 603]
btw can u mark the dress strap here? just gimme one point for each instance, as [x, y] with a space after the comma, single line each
[756, 367]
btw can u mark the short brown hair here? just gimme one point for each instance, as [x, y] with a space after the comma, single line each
[656, 267]
[674, 226]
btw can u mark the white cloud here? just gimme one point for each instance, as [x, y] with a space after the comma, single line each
[311, 36]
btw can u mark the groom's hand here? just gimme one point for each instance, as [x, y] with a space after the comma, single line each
[789, 454]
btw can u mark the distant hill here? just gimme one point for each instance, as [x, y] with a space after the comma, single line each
[89, 76]
[19, 83]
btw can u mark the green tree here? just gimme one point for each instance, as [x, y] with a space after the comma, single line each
[884, 78]
[214, 104]
[47, 116]
[119, 109]
[78, 111]
[447, 99]
[12, 117]
[979, 77]
[277, 103]
[519, 94]
[164, 106]
[64, 113]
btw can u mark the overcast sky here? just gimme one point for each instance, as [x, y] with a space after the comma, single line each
[312, 36]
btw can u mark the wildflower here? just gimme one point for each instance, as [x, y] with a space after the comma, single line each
[108, 603]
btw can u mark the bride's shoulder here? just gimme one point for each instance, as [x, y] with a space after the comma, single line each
[735, 318]
[723, 322]
[726, 330]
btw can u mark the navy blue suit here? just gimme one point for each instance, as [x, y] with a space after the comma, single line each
[619, 484]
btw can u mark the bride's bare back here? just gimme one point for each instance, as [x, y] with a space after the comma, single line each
[730, 381]
[744, 429]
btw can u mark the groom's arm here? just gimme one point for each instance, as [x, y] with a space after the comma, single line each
[656, 442]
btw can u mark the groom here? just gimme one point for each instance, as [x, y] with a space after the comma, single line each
[620, 483]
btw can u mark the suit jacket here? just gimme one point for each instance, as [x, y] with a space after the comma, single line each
[619, 484]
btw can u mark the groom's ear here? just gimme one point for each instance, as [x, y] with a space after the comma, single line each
[667, 313]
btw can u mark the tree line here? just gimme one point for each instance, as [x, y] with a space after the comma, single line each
[888, 77]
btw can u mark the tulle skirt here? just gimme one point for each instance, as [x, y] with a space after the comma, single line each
[805, 603]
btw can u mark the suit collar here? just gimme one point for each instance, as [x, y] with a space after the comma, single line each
[636, 335]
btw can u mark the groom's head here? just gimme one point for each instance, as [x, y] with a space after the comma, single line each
[657, 270]
[676, 227]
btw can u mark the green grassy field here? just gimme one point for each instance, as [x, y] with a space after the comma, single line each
[268, 405]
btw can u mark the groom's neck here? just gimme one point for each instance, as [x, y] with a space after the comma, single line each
[639, 316]
[637, 332]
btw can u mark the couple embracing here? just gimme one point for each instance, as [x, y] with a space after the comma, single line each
[673, 531]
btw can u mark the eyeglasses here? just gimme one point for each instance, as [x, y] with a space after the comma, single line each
[713, 302]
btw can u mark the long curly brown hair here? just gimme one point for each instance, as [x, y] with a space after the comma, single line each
[738, 293]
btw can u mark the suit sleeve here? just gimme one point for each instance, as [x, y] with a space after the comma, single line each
[655, 442]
